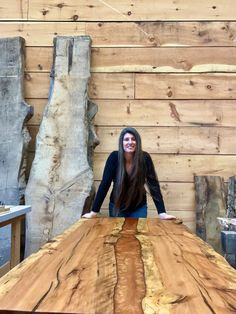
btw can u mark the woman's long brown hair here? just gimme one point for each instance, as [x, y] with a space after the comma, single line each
[129, 189]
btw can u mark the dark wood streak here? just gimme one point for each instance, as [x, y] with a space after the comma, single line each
[42, 298]
[130, 288]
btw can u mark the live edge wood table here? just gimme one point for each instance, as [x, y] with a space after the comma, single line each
[116, 265]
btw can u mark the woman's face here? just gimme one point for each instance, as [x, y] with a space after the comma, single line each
[129, 143]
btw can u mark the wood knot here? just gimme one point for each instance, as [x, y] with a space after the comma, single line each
[60, 5]
[100, 24]
[169, 94]
[208, 86]
[129, 12]
[75, 17]
[214, 7]
[45, 11]
[40, 67]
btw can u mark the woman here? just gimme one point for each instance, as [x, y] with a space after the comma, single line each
[130, 169]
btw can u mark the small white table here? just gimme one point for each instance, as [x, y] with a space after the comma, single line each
[14, 217]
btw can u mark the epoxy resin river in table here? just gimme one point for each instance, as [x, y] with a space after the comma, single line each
[116, 265]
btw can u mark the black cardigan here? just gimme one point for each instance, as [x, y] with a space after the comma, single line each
[109, 175]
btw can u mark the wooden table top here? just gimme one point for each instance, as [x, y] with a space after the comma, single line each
[117, 265]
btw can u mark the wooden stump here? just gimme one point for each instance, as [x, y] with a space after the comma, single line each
[14, 136]
[231, 198]
[210, 204]
[61, 177]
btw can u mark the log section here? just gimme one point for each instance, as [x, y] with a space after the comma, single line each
[122, 266]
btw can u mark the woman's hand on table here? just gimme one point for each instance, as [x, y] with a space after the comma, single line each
[90, 215]
[166, 216]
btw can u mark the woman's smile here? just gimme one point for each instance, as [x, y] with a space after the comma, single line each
[129, 143]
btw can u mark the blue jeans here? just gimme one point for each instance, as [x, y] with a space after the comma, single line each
[140, 212]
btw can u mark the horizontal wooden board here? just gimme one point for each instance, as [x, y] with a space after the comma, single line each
[101, 85]
[181, 168]
[140, 34]
[185, 86]
[142, 10]
[167, 140]
[155, 112]
[147, 86]
[14, 9]
[201, 59]
[178, 197]
[180, 140]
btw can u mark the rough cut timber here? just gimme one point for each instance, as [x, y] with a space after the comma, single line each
[231, 198]
[125, 266]
[61, 177]
[210, 204]
[14, 136]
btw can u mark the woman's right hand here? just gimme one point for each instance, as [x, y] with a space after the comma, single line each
[90, 215]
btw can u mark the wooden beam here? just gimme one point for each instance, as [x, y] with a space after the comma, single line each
[155, 112]
[15, 242]
[192, 59]
[178, 196]
[180, 168]
[143, 10]
[4, 269]
[185, 86]
[128, 34]
[121, 85]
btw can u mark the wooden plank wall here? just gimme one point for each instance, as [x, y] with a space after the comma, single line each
[165, 67]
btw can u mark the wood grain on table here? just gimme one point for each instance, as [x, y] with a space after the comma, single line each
[116, 265]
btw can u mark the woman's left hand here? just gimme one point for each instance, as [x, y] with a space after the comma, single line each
[166, 216]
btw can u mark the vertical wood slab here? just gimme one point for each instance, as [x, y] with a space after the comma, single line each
[210, 204]
[61, 177]
[14, 112]
[231, 197]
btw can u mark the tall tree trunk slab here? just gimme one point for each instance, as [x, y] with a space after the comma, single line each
[231, 198]
[14, 136]
[61, 177]
[210, 204]
[117, 265]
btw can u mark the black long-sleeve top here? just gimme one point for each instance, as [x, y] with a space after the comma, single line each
[110, 175]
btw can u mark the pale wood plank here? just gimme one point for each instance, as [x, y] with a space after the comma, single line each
[130, 260]
[202, 59]
[180, 140]
[142, 10]
[167, 140]
[15, 242]
[142, 34]
[155, 112]
[185, 86]
[14, 10]
[121, 85]
[181, 168]
[147, 86]
[147, 34]
[178, 196]
[40, 33]
[166, 112]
